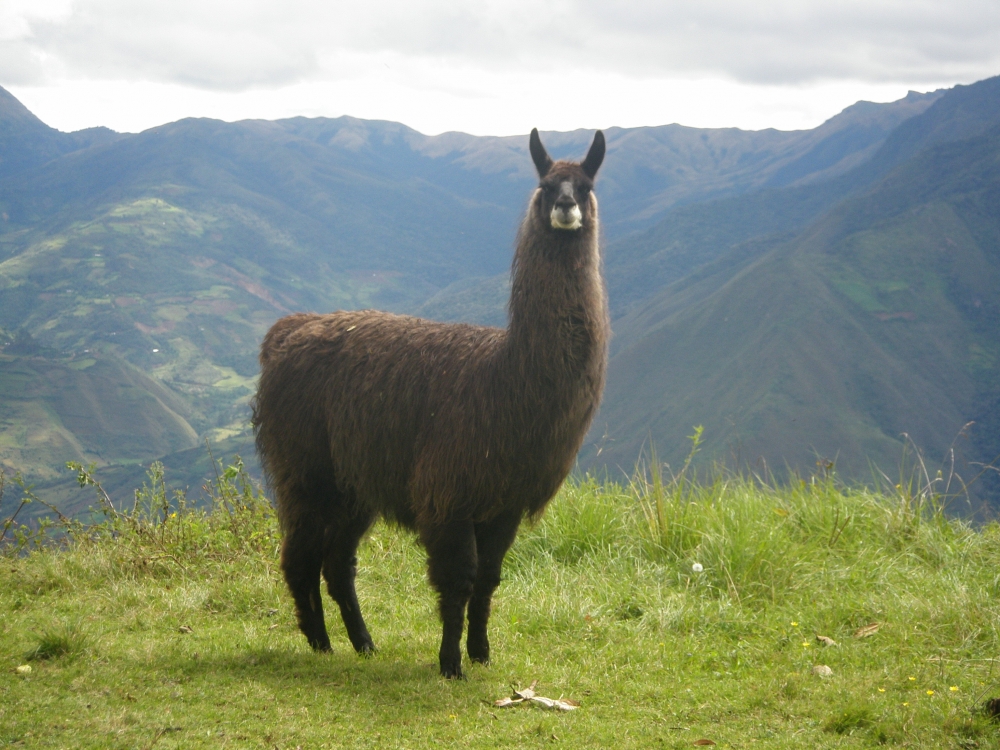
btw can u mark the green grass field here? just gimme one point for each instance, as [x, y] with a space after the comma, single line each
[169, 626]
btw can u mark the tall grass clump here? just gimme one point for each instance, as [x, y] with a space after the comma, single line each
[746, 539]
[56, 641]
[739, 535]
[159, 529]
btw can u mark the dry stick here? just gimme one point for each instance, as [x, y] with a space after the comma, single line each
[986, 467]
[64, 520]
[835, 532]
[29, 497]
[167, 556]
[156, 738]
[84, 477]
[923, 465]
[10, 521]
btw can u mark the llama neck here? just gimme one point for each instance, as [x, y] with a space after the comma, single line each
[558, 318]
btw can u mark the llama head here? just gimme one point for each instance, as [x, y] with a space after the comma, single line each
[565, 187]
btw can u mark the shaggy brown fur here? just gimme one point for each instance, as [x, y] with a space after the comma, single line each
[455, 431]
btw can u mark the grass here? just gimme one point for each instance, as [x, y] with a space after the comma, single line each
[58, 641]
[166, 625]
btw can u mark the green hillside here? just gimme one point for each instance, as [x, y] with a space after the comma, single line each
[87, 408]
[882, 318]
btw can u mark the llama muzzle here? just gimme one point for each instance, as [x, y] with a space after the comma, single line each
[566, 218]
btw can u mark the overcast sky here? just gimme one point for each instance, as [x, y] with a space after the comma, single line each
[486, 67]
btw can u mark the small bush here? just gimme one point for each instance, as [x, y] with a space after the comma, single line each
[160, 532]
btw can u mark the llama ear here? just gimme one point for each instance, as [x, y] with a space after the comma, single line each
[543, 162]
[595, 156]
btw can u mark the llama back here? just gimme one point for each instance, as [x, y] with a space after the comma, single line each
[350, 400]
[274, 339]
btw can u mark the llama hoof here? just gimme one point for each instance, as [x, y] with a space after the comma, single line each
[366, 649]
[479, 652]
[322, 647]
[452, 671]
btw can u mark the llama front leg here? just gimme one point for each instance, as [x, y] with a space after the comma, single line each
[493, 539]
[451, 566]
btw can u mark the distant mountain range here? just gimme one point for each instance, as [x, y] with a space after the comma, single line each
[823, 322]
[804, 295]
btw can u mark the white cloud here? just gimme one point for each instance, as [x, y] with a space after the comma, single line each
[230, 45]
[22, 60]
[17, 16]
[480, 64]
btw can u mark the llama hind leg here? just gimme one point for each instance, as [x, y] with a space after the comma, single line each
[493, 539]
[340, 566]
[451, 567]
[301, 561]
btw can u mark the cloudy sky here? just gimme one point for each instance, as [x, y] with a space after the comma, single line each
[486, 67]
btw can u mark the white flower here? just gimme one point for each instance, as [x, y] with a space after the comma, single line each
[697, 567]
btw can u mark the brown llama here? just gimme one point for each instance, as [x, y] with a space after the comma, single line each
[454, 431]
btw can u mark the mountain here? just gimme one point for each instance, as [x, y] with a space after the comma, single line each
[138, 273]
[687, 165]
[878, 317]
[27, 142]
[689, 236]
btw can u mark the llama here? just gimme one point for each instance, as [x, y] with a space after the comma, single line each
[454, 431]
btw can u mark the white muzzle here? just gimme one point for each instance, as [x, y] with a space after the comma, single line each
[571, 219]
